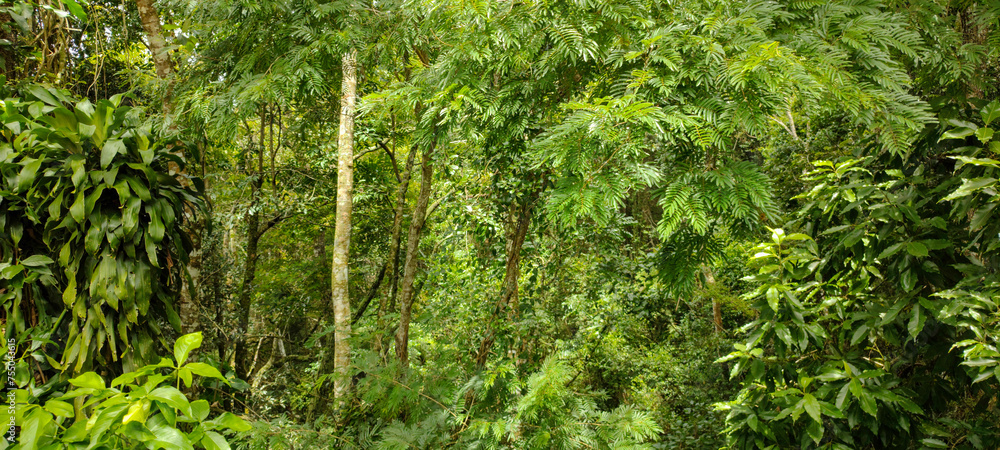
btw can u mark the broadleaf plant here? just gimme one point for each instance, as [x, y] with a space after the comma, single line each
[91, 249]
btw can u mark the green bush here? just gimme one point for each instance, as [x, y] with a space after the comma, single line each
[144, 408]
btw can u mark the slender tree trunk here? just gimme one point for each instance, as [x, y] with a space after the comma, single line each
[326, 363]
[254, 232]
[371, 294]
[716, 306]
[519, 218]
[341, 298]
[406, 292]
[246, 286]
[397, 231]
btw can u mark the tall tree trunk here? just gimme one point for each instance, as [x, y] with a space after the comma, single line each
[397, 232]
[157, 46]
[246, 286]
[254, 232]
[188, 302]
[518, 220]
[341, 297]
[327, 341]
[154, 35]
[406, 292]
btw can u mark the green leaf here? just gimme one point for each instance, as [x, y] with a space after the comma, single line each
[990, 112]
[78, 208]
[37, 261]
[891, 250]
[204, 370]
[812, 407]
[184, 345]
[214, 441]
[868, 404]
[168, 437]
[112, 147]
[200, 410]
[43, 94]
[815, 431]
[933, 443]
[88, 380]
[908, 280]
[984, 134]
[232, 422]
[137, 412]
[916, 249]
[171, 397]
[917, 321]
[59, 408]
[970, 186]
[75, 9]
[957, 133]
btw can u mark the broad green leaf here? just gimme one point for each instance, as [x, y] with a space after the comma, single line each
[812, 407]
[891, 250]
[172, 397]
[232, 422]
[112, 147]
[137, 412]
[868, 404]
[990, 112]
[958, 133]
[815, 431]
[75, 9]
[200, 410]
[184, 345]
[984, 134]
[916, 249]
[933, 443]
[204, 370]
[214, 441]
[917, 321]
[59, 408]
[970, 186]
[88, 380]
[37, 261]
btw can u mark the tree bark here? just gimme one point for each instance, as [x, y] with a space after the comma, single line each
[254, 233]
[716, 306]
[157, 45]
[340, 291]
[406, 292]
[397, 231]
[519, 218]
[246, 286]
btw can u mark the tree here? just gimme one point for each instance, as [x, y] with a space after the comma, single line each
[342, 236]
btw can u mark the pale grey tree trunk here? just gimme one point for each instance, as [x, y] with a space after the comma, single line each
[341, 298]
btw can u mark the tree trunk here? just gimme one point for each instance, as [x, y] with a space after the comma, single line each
[246, 287]
[188, 302]
[254, 232]
[340, 291]
[406, 292]
[157, 45]
[397, 231]
[716, 306]
[518, 220]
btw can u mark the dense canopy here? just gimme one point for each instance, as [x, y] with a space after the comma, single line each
[538, 224]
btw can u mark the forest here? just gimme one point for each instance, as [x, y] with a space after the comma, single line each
[500, 224]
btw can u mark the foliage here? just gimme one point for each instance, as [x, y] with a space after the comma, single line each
[883, 331]
[144, 407]
[91, 251]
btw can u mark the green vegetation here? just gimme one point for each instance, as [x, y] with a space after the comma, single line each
[497, 224]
